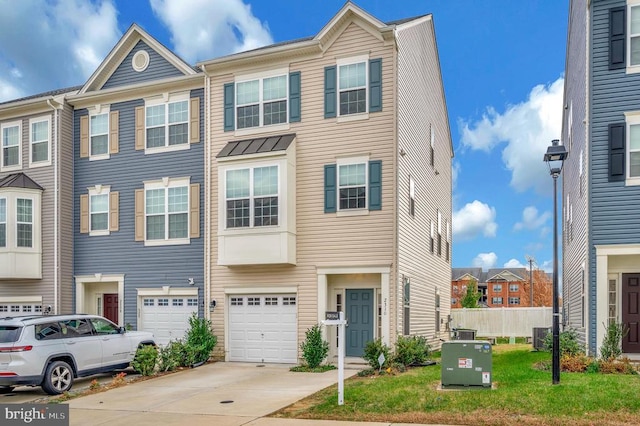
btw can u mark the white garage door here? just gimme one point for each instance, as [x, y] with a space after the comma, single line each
[263, 328]
[167, 317]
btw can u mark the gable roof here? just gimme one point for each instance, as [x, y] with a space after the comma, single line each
[459, 274]
[507, 274]
[19, 180]
[127, 42]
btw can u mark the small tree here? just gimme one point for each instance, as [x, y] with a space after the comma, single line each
[612, 343]
[471, 297]
[314, 348]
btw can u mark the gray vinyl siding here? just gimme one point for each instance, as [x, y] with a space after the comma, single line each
[126, 171]
[574, 243]
[158, 68]
[421, 105]
[65, 207]
[613, 92]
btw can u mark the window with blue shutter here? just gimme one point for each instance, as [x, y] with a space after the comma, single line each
[353, 87]
[617, 152]
[617, 38]
[346, 186]
[294, 97]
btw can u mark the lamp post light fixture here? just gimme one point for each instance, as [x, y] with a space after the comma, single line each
[554, 157]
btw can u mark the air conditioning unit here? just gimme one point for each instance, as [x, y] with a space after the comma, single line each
[539, 333]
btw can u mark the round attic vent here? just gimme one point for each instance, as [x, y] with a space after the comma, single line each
[140, 60]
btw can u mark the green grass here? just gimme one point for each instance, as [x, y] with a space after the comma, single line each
[522, 394]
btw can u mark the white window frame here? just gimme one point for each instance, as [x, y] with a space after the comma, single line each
[341, 162]
[46, 162]
[497, 288]
[11, 195]
[514, 288]
[631, 119]
[165, 184]
[95, 112]
[100, 190]
[352, 60]
[31, 222]
[252, 196]
[631, 69]
[260, 76]
[18, 166]
[494, 300]
[514, 300]
[167, 99]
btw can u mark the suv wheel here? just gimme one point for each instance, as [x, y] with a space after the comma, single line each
[58, 378]
[6, 389]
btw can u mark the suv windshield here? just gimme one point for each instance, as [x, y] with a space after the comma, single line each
[9, 333]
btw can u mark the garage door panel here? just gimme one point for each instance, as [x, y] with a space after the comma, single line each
[166, 317]
[263, 328]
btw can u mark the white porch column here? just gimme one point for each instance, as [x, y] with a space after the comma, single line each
[602, 297]
[322, 300]
[386, 319]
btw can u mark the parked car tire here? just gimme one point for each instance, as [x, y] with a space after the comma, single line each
[58, 378]
[6, 389]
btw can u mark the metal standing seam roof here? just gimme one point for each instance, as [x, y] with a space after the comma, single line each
[19, 180]
[257, 145]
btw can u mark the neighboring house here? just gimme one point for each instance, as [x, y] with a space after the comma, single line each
[505, 287]
[36, 239]
[329, 176]
[460, 279]
[601, 176]
[139, 187]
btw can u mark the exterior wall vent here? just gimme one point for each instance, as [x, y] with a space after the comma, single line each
[140, 60]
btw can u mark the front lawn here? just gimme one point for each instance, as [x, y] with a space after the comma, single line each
[521, 395]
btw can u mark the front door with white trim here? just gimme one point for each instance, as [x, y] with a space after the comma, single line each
[263, 328]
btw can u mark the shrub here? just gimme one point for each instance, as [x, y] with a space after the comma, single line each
[172, 356]
[199, 340]
[575, 363]
[314, 348]
[617, 366]
[145, 359]
[612, 343]
[569, 344]
[372, 351]
[411, 350]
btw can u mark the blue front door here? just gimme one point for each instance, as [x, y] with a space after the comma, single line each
[359, 320]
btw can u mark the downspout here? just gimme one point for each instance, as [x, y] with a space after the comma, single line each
[55, 204]
[207, 194]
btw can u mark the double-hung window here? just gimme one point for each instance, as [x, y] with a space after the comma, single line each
[634, 34]
[24, 222]
[252, 197]
[167, 124]
[513, 288]
[352, 186]
[99, 137]
[167, 213]
[39, 145]
[99, 212]
[352, 88]
[261, 102]
[634, 149]
[11, 158]
[497, 288]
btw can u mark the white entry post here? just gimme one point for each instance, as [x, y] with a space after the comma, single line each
[337, 318]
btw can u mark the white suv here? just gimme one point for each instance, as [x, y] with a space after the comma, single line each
[50, 351]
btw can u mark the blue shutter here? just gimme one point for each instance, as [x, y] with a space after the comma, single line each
[617, 152]
[375, 85]
[294, 97]
[229, 107]
[330, 195]
[617, 38]
[330, 102]
[375, 185]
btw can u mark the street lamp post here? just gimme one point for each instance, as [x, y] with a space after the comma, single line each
[554, 157]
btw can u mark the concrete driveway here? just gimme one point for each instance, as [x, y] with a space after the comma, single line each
[221, 393]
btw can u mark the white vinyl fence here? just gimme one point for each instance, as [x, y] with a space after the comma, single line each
[502, 322]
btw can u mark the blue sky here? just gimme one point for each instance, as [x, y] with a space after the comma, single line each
[502, 64]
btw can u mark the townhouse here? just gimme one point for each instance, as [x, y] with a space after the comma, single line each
[138, 156]
[601, 179]
[36, 239]
[328, 176]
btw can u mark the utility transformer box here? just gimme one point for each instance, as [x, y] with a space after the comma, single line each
[466, 363]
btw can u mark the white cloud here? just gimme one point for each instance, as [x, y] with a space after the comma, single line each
[455, 172]
[69, 38]
[527, 129]
[204, 29]
[514, 263]
[485, 260]
[531, 220]
[547, 266]
[474, 219]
